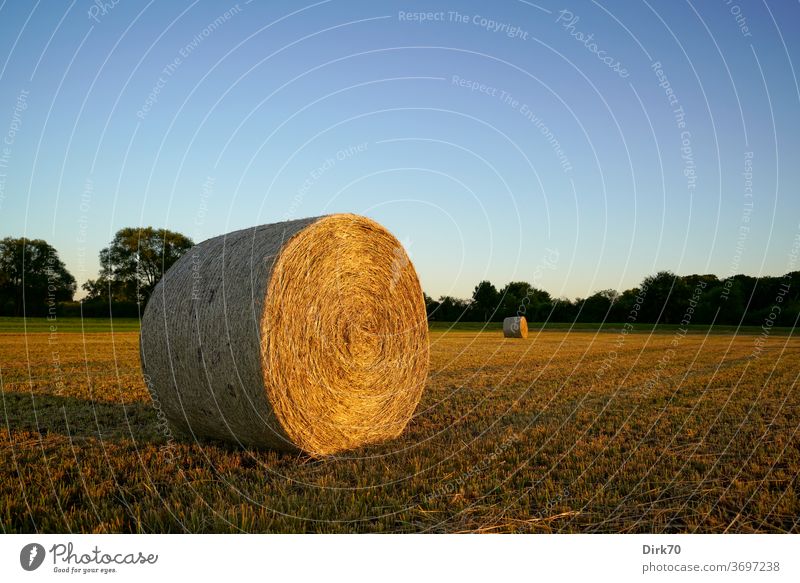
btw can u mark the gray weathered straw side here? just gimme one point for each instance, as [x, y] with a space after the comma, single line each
[305, 335]
[515, 327]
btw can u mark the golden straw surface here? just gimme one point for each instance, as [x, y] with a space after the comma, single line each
[305, 335]
[515, 327]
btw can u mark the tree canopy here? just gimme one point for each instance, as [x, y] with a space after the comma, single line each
[485, 300]
[33, 279]
[664, 298]
[133, 263]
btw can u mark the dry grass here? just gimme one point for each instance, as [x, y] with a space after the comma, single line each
[547, 434]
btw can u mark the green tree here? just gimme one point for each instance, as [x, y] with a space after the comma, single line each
[33, 279]
[431, 308]
[597, 307]
[521, 298]
[732, 299]
[134, 262]
[563, 310]
[511, 298]
[485, 300]
[106, 290]
[451, 309]
[666, 299]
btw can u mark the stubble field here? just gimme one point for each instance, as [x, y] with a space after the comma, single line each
[567, 431]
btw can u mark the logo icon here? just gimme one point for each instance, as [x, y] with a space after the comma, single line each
[31, 556]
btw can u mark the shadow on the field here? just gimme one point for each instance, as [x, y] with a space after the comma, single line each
[80, 418]
[118, 423]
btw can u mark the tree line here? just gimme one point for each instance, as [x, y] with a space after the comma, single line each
[35, 282]
[136, 258]
[663, 298]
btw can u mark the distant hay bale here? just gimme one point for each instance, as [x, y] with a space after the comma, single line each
[306, 335]
[515, 327]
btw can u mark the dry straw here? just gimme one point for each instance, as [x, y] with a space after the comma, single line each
[304, 335]
[515, 327]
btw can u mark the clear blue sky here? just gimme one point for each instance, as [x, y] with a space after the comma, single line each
[481, 136]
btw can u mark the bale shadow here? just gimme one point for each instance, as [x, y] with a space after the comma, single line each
[76, 418]
[119, 423]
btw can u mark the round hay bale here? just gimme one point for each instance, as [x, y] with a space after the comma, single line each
[305, 335]
[515, 327]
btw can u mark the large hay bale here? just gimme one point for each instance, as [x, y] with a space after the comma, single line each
[515, 327]
[305, 335]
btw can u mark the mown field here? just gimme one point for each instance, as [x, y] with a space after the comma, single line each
[568, 431]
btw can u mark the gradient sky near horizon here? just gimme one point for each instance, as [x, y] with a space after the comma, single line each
[491, 139]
